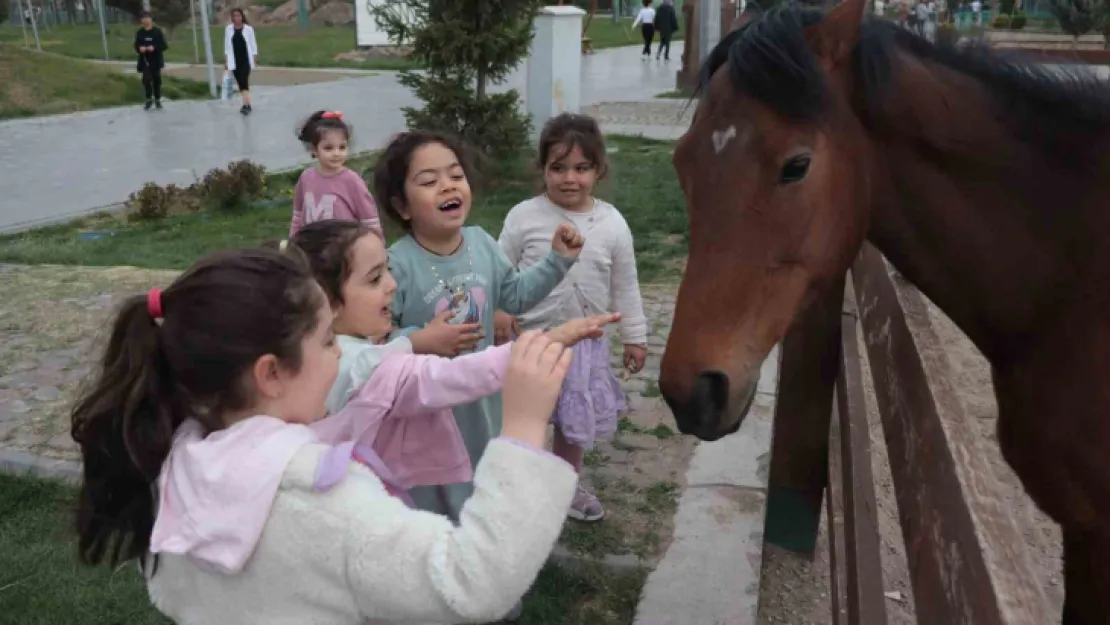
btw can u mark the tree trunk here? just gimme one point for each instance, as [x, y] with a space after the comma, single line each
[481, 90]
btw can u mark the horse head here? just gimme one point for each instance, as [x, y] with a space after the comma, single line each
[775, 169]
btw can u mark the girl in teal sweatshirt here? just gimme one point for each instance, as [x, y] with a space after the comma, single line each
[451, 278]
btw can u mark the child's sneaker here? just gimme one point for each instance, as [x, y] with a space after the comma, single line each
[585, 506]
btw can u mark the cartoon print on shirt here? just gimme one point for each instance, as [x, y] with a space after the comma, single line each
[466, 305]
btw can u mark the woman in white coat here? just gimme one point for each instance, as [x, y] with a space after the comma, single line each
[241, 55]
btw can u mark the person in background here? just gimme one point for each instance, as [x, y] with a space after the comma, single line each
[241, 55]
[666, 22]
[150, 44]
[645, 19]
[330, 190]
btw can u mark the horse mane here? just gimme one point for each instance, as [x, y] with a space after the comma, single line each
[769, 60]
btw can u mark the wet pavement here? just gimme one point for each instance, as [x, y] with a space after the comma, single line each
[62, 166]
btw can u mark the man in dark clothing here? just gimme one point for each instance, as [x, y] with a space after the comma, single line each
[666, 22]
[150, 44]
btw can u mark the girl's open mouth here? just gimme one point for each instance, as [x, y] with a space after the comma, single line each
[450, 206]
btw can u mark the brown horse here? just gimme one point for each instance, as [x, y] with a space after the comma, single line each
[982, 179]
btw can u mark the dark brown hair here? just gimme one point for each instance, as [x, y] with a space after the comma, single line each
[312, 130]
[567, 130]
[392, 169]
[327, 245]
[241, 14]
[218, 318]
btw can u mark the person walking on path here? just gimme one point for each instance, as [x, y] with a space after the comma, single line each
[645, 19]
[666, 22]
[150, 44]
[241, 55]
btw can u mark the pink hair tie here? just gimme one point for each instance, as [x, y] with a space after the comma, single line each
[154, 302]
[332, 115]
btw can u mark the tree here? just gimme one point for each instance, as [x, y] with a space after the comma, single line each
[464, 47]
[1100, 13]
[171, 13]
[131, 7]
[1075, 17]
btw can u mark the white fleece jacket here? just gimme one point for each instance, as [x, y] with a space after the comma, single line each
[355, 554]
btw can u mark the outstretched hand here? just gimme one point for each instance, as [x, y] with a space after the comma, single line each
[568, 241]
[576, 330]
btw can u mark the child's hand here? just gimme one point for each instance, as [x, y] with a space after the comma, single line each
[634, 357]
[533, 381]
[586, 328]
[445, 339]
[567, 241]
[504, 326]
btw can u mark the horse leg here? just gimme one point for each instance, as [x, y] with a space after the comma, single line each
[1086, 577]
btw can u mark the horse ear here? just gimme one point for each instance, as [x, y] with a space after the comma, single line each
[835, 36]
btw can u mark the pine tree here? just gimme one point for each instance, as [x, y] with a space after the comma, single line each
[464, 47]
[1075, 17]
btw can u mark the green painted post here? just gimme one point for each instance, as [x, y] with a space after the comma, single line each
[302, 13]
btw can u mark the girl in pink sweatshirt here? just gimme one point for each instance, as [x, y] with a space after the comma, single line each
[200, 463]
[330, 190]
[395, 403]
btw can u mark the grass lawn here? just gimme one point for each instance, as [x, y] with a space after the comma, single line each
[604, 33]
[43, 84]
[41, 582]
[284, 46]
[641, 184]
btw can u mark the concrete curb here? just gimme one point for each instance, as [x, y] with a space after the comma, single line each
[710, 573]
[21, 463]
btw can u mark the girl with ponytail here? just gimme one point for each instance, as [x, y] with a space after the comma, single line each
[198, 452]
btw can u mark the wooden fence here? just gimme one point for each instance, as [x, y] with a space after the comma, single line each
[967, 561]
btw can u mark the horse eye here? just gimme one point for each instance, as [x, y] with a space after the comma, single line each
[795, 169]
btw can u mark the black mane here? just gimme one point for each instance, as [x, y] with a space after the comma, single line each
[769, 60]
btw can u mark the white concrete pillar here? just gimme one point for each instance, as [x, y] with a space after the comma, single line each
[709, 13]
[555, 64]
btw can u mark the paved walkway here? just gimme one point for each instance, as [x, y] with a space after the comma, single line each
[62, 166]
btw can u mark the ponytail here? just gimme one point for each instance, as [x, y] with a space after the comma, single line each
[124, 424]
[176, 355]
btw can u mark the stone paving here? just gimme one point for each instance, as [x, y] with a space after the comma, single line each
[66, 165]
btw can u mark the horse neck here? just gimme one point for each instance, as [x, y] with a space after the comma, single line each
[986, 226]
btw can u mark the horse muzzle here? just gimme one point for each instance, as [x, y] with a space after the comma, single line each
[711, 411]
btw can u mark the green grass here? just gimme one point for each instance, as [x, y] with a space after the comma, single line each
[279, 45]
[41, 582]
[677, 94]
[641, 183]
[33, 83]
[282, 46]
[603, 33]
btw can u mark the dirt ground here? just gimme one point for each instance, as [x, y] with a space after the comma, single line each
[795, 591]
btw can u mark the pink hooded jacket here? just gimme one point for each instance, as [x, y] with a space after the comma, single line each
[215, 491]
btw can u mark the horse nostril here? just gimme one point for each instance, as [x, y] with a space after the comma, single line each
[710, 397]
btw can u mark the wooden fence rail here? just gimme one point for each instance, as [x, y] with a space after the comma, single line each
[967, 561]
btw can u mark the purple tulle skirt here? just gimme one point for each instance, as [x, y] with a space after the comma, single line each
[592, 398]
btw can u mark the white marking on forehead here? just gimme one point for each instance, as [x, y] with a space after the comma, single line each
[721, 138]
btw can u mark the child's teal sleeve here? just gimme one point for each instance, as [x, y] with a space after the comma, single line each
[521, 290]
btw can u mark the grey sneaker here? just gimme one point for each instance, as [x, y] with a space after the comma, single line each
[585, 506]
